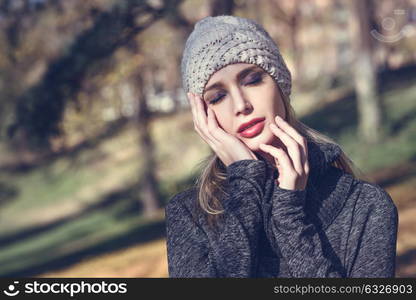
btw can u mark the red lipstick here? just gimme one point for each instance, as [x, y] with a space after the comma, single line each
[251, 128]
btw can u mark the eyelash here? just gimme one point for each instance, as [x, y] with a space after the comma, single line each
[254, 82]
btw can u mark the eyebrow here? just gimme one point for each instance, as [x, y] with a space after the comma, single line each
[240, 75]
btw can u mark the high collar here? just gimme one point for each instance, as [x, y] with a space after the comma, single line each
[328, 187]
[320, 157]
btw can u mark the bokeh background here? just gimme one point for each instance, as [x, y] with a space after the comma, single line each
[96, 133]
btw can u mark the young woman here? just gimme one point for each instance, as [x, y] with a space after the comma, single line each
[276, 198]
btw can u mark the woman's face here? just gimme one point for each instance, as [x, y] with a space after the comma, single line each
[241, 92]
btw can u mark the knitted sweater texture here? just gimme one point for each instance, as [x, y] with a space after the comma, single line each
[338, 226]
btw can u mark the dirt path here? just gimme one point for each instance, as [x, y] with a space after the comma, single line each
[143, 260]
[149, 259]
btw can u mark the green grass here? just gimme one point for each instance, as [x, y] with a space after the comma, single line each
[102, 181]
[43, 187]
[77, 235]
[66, 182]
[339, 121]
[399, 146]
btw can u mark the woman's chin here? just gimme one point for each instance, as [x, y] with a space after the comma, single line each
[254, 144]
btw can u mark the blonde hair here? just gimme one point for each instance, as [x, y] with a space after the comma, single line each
[210, 183]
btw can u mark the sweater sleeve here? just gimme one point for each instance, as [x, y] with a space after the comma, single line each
[373, 236]
[371, 246]
[290, 232]
[232, 250]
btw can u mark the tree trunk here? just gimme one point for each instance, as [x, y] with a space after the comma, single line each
[222, 7]
[150, 196]
[291, 16]
[183, 29]
[365, 75]
[295, 45]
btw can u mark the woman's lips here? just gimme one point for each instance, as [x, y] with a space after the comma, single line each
[253, 130]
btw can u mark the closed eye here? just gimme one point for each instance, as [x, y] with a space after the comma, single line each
[258, 78]
[254, 82]
[215, 100]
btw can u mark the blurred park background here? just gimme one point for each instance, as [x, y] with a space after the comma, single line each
[96, 133]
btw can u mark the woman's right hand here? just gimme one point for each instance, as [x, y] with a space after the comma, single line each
[227, 147]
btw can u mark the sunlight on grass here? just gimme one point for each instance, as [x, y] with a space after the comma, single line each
[144, 260]
[84, 202]
[398, 147]
[76, 235]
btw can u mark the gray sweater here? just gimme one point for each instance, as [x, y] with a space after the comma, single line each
[338, 226]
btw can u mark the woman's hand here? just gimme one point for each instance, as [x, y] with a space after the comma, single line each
[228, 148]
[293, 166]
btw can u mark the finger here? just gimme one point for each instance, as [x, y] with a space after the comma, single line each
[200, 107]
[200, 128]
[285, 126]
[194, 113]
[200, 112]
[213, 127]
[291, 131]
[191, 103]
[203, 119]
[280, 155]
[292, 147]
[193, 110]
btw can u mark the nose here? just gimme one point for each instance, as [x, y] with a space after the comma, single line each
[240, 102]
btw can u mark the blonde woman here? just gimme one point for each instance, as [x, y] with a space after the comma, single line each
[276, 198]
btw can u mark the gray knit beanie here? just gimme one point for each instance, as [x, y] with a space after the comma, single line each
[219, 41]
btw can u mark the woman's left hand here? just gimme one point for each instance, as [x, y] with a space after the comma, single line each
[293, 166]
